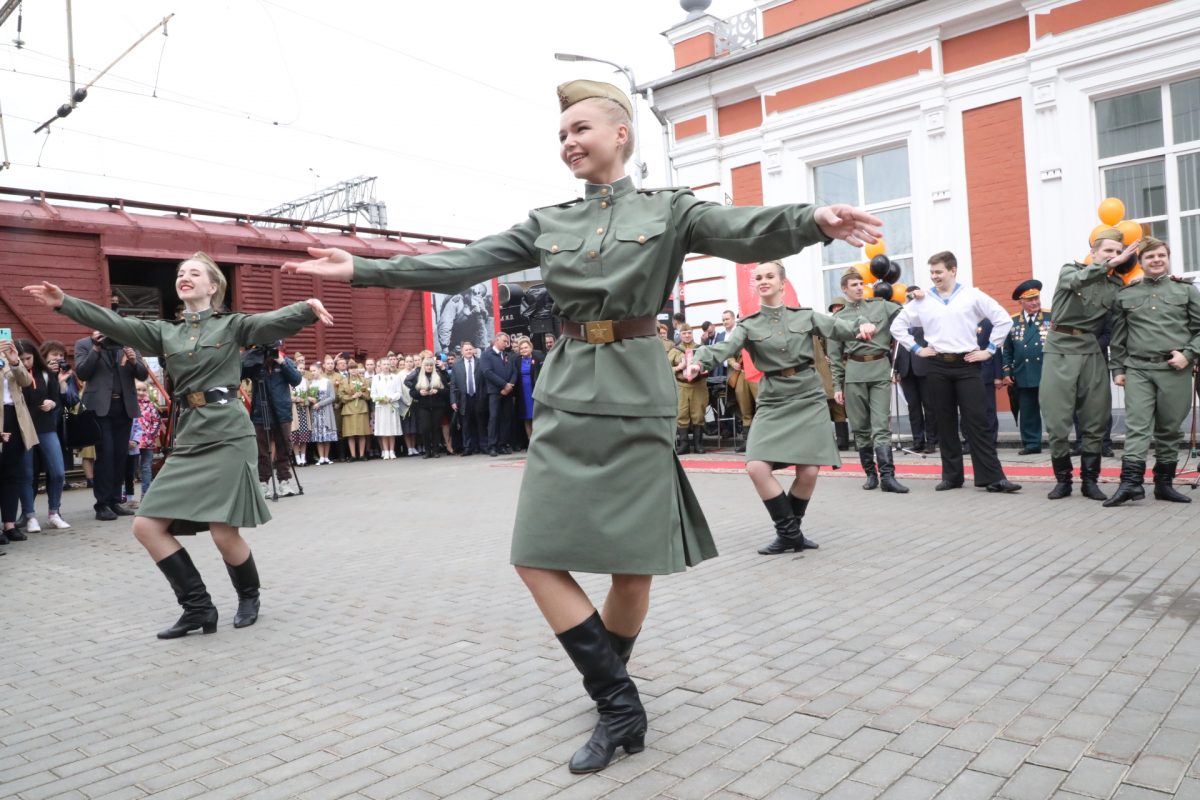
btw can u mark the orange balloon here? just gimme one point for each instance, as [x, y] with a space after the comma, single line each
[1111, 211]
[876, 249]
[868, 291]
[899, 293]
[1133, 275]
[864, 269]
[1130, 231]
[1096, 232]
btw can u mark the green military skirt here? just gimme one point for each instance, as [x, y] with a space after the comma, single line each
[607, 495]
[792, 423]
[208, 482]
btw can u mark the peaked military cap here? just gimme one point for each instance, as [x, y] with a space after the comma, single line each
[572, 92]
[1028, 290]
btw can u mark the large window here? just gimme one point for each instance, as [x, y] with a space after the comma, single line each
[1149, 147]
[878, 183]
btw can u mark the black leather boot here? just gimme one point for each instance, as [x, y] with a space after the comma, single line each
[622, 718]
[682, 444]
[623, 645]
[787, 527]
[1063, 470]
[799, 508]
[1164, 479]
[841, 432]
[698, 439]
[1089, 477]
[887, 471]
[199, 613]
[1133, 473]
[868, 464]
[245, 581]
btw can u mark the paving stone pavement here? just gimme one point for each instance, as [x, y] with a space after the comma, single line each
[958, 645]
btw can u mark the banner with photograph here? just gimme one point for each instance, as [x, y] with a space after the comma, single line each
[469, 316]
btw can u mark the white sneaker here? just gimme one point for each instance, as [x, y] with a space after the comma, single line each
[286, 489]
[55, 521]
[31, 525]
[266, 488]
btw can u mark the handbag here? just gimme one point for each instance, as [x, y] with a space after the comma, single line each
[82, 428]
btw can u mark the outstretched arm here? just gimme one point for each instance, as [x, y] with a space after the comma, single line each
[711, 355]
[281, 323]
[142, 334]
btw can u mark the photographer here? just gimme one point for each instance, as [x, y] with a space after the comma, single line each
[110, 370]
[273, 375]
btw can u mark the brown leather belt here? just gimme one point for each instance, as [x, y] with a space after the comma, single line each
[789, 371]
[950, 356]
[219, 396]
[875, 357]
[606, 331]
[1054, 326]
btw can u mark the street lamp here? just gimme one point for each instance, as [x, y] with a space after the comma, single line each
[640, 170]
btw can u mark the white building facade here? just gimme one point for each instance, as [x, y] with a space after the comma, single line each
[989, 128]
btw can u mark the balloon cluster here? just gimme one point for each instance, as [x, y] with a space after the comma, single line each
[1112, 215]
[881, 275]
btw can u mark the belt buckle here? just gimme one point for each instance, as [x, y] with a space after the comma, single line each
[599, 331]
[196, 399]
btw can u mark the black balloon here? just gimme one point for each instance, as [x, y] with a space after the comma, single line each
[893, 273]
[883, 290]
[880, 265]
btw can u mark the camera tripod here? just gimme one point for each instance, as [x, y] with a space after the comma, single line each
[268, 425]
[894, 419]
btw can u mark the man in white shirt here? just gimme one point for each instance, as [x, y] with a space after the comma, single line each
[950, 314]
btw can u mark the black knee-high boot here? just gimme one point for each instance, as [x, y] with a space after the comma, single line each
[199, 613]
[622, 718]
[887, 471]
[623, 645]
[1064, 470]
[867, 458]
[1164, 483]
[245, 581]
[799, 509]
[787, 527]
[1133, 473]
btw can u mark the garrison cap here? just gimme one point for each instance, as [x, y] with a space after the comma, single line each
[1028, 290]
[572, 92]
[1109, 233]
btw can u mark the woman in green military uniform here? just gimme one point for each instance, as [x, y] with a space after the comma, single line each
[209, 480]
[791, 423]
[602, 490]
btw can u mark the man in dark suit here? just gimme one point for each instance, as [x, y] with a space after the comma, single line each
[467, 395]
[499, 368]
[911, 373]
[110, 371]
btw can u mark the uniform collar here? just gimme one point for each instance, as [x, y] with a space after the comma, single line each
[1165, 276]
[197, 316]
[596, 191]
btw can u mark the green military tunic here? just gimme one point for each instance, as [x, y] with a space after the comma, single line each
[210, 474]
[693, 395]
[1154, 317]
[602, 490]
[862, 371]
[1023, 356]
[791, 422]
[1074, 372]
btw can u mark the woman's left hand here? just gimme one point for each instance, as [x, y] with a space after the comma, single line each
[866, 331]
[47, 405]
[319, 309]
[851, 225]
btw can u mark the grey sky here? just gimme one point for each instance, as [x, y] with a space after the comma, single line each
[259, 101]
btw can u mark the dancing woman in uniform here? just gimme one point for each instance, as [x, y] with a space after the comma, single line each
[209, 482]
[791, 419]
[602, 490]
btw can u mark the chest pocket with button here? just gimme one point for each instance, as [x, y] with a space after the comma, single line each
[557, 246]
[640, 234]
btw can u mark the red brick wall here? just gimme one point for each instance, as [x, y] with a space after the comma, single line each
[984, 45]
[747, 185]
[694, 50]
[739, 117]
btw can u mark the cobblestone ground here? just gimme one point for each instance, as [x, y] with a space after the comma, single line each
[957, 645]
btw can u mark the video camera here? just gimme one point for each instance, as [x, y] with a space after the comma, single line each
[257, 357]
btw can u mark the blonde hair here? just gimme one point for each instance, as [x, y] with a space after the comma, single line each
[778, 265]
[214, 274]
[429, 380]
[616, 114]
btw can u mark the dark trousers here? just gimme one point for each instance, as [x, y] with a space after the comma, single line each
[499, 424]
[472, 413]
[429, 425]
[283, 449]
[920, 410]
[112, 453]
[12, 467]
[956, 391]
[1029, 414]
[989, 409]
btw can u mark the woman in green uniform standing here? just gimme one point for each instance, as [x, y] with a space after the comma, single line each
[214, 440]
[791, 420]
[602, 490]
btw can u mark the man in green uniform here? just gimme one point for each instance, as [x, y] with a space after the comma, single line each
[1023, 362]
[1074, 373]
[1155, 341]
[837, 411]
[693, 396]
[862, 373]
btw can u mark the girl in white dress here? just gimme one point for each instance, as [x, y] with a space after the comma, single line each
[385, 391]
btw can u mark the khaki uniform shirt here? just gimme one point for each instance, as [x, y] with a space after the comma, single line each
[1083, 296]
[1153, 318]
[875, 310]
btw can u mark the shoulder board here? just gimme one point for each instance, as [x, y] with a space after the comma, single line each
[1181, 279]
[566, 204]
[665, 189]
[1016, 318]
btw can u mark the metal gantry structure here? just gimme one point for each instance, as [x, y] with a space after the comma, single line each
[350, 198]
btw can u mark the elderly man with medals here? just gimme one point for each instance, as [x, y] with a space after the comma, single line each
[1023, 363]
